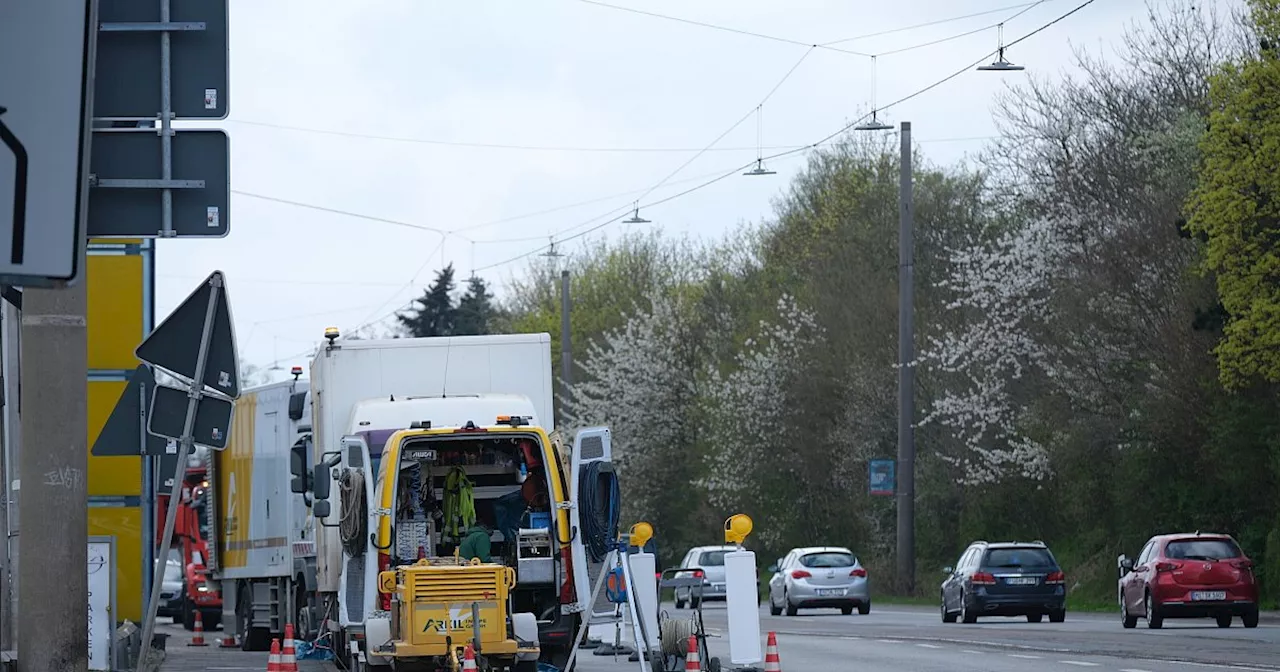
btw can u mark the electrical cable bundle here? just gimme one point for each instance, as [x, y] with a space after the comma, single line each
[354, 524]
[598, 511]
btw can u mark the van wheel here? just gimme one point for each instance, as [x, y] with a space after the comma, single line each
[695, 602]
[679, 602]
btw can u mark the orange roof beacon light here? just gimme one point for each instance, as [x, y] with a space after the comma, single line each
[296, 372]
[331, 333]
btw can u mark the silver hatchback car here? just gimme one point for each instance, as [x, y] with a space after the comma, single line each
[709, 559]
[816, 577]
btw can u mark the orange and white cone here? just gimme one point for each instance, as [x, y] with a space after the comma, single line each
[771, 661]
[198, 639]
[228, 642]
[288, 661]
[691, 661]
[468, 659]
[273, 660]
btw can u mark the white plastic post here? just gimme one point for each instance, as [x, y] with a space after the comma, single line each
[743, 607]
[645, 593]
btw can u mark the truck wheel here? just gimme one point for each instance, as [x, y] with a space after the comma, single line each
[251, 638]
[188, 615]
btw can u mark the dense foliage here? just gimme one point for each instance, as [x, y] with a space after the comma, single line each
[436, 313]
[1068, 318]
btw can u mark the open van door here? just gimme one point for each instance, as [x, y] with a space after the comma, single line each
[590, 445]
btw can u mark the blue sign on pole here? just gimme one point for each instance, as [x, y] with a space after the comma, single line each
[881, 473]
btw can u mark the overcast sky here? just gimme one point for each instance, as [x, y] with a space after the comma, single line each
[346, 111]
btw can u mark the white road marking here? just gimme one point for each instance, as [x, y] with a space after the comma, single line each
[929, 646]
[978, 653]
[1024, 656]
[889, 641]
[1079, 663]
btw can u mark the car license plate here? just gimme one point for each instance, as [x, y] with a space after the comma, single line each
[1209, 595]
[1021, 581]
[827, 592]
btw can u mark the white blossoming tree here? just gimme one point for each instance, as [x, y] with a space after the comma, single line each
[747, 410]
[640, 381]
[1001, 289]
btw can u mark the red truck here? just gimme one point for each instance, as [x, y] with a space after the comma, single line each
[191, 529]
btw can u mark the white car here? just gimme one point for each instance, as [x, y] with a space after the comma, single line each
[816, 577]
[710, 559]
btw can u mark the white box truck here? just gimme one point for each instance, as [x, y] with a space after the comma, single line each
[396, 422]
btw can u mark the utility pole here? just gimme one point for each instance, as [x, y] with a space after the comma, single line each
[566, 352]
[53, 465]
[906, 491]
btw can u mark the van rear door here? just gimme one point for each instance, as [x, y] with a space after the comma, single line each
[591, 445]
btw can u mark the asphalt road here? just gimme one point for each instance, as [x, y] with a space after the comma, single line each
[907, 639]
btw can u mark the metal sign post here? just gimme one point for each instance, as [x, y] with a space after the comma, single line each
[203, 320]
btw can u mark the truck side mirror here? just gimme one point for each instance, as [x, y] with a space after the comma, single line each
[320, 508]
[320, 482]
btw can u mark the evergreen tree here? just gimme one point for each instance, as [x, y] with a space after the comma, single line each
[434, 313]
[475, 310]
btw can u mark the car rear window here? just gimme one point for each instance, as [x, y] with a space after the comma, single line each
[1202, 549]
[1019, 557]
[712, 558]
[827, 559]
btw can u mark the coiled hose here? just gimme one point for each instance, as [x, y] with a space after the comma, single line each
[598, 510]
[353, 526]
[674, 633]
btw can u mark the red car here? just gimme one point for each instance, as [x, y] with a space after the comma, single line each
[1195, 575]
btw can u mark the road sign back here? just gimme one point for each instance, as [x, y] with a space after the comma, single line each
[169, 413]
[124, 201]
[130, 52]
[124, 431]
[175, 344]
[46, 65]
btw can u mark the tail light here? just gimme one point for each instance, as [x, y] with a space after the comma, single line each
[698, 574]
[384, 599]
[1055, 579]
[1165, 566]
[983, 579]
[1243, 564]
[859, 572]
[800, 574]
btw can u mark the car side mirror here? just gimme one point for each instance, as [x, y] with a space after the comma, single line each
[1126, 565]
[948, 570]
[772, 569]
[320, 509]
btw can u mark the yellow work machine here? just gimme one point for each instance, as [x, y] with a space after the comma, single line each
[439, 606]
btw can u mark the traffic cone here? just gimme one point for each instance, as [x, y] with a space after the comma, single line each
[468, 659]
[288, 661]
[198, 639]
[771, 661]
[228, 642]
[273, 660]
[691, 662]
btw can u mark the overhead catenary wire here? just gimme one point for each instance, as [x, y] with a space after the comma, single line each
[801, 149]
[842, 130]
